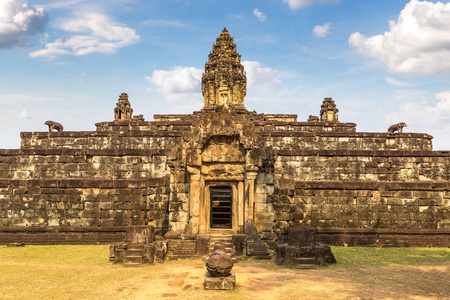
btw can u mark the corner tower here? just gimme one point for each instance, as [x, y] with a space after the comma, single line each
[224, 82]
[123, 110]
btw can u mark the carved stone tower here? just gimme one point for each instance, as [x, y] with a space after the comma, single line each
[328, 111]
[224, 82]
[123, 110]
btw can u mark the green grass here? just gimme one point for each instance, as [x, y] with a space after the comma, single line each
[84, 272]
[368, 256]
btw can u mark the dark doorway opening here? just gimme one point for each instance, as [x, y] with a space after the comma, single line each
[221, 200]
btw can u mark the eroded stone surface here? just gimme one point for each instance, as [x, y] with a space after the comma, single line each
[219, 283]
[219, 264]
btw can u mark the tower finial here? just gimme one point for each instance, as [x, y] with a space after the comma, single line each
[224, 82]
[123, 110]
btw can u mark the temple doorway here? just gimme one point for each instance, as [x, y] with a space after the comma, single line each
[221, 198]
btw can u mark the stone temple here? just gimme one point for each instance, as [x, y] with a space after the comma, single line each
[211, 172]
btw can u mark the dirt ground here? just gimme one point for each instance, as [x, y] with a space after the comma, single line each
[85, 272]
[262, 280]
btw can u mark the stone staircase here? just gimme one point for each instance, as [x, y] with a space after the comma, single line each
[226, 239]
[134, 255]
[305, 263]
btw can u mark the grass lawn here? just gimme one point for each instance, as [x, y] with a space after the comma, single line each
[84, 272]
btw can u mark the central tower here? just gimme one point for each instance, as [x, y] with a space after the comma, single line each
[224, 82]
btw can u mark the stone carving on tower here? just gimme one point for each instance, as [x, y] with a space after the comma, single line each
[328, 111]
[224, 82]
[123, 110]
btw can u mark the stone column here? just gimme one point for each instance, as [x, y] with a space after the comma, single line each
[250, 177]
[195, 196]
[241, 209]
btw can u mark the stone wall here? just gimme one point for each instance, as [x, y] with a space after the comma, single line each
[364, 188]
[83, 185]
[383, 197]
[280, 140]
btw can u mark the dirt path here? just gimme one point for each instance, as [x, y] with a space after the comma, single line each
[263, 280]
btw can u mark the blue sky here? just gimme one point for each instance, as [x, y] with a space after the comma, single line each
[382, 61]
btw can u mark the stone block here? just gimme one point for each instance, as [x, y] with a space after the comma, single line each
[280, 253]
[323, 254]
[140, 234]
[257, 248]
[160, 252]
[202, 244]
[239, 244]
[117, 252]
[264, 221]
[149, 253]
[305, 251]
[220, 283]
[302, 237]
[178, 216]
[290, 254]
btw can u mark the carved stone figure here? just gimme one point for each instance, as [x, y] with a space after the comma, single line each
[138, 118]
[54, 126]
[313, 118]
[396, 127]
[219, 264]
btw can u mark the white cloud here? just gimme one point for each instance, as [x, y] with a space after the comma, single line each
[419, 42]
[260, 78]
[24, 114]
[96, 33]
[180, 81]
[185, 82]
[395, 82]
[297, 4]
[423, 111]
[322, 31]
[19, 22]
[262, 17]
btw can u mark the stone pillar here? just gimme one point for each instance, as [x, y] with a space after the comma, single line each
[250, 195]
[195, 195]
[241, 208]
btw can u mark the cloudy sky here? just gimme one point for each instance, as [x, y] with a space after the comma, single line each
[382, 61]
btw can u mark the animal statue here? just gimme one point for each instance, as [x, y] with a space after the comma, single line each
[313, 118]
[396, 127]
[54, 126]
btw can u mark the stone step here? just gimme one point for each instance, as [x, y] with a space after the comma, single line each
[181, 256]
[134, 252]
[127, 265]
[134, 259]
[136, 247]
[225, 239]
[306, 266]
[184, 251]
[305, 260]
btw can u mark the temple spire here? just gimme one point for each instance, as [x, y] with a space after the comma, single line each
[328, 111]
[224, 82]
[123, 110]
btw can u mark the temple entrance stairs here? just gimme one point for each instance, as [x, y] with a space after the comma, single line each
[134, 255]
[226, 239]
[305, 263]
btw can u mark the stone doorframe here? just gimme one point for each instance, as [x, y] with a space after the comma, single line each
[237, 214]
[199, 201]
